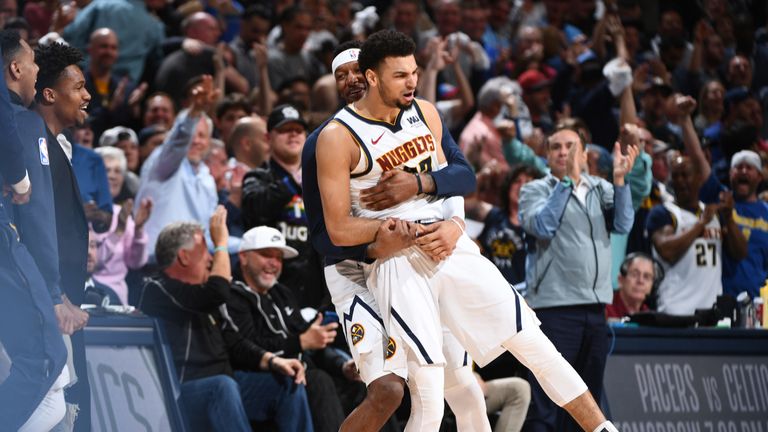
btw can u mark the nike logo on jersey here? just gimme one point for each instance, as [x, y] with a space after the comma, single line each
[376, 141]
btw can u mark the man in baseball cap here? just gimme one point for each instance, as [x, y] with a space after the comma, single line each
[268, 312]
[750, 214]
[283, 115]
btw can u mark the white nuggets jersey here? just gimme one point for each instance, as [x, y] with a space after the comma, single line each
[407, 144]
[693, 282]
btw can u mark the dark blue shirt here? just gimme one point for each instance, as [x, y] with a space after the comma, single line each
[91, 177]
[504, 245]
[457, 179]
[750, 273]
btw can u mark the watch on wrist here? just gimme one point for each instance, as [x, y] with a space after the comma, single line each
[566, 181]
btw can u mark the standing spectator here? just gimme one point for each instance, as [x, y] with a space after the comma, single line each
[495, 99]
[61, 100]
[567, 213]
[229, 110]
[538, 98]
[636, 279]
[750, 215]
[124, 245]
[94, 187]
[249, 46]
[139, 33]
[150, 138]
[182, 66]
[174, 176]
[188, 295]
[289, 61]
[249, 143]
[159, 110]
[115, 100]
[687, 235]
[273, 197]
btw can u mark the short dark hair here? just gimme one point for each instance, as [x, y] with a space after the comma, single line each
[383, 44]
[353, 43]
[257, 10]
[511, 177]
[52, 60]
[10, 42]
[290, 13]
[232, 101]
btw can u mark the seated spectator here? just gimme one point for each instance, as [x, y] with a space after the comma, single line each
[174, 176]
[503, 240]
[248, 143]
[509, 397]
[188, 296]
[97, 293]
[124, 245]
[126, 140]
[283, 329]
[636, 279]
[115, 163]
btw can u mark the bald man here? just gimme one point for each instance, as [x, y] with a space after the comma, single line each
[110, 92]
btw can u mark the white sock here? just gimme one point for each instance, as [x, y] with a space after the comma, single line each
[466, 399]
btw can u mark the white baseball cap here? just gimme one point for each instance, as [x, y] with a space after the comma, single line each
[264, 237]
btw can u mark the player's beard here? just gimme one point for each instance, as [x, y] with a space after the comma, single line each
[393, 101]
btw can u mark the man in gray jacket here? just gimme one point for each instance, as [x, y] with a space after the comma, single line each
[571, 216]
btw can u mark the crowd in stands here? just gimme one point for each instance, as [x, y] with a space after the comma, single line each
[620, 149]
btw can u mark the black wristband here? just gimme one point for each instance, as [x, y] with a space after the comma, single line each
[271, 362]
[418, 184]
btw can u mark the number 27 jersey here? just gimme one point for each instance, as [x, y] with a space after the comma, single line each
[408, 144]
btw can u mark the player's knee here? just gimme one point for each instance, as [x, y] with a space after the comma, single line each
[386, 393]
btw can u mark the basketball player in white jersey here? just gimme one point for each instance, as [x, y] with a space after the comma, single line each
[382, 365]
[389, 129]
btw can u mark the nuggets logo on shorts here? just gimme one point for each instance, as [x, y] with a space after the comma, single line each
[357, 333]
[391, 348]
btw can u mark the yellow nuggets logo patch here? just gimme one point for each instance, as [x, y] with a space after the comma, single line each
[391, 348]
[357, 333]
